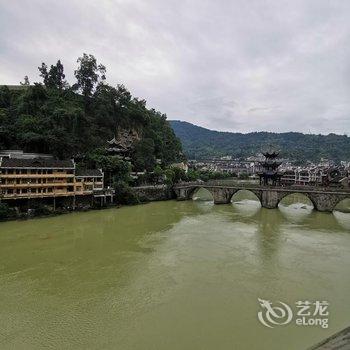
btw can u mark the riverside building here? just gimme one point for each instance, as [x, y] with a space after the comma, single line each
[25, 176]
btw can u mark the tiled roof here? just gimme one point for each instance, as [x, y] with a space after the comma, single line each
[36, 163]
[88, 172]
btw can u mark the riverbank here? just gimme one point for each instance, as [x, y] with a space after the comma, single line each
[30, 209]
[141, 195]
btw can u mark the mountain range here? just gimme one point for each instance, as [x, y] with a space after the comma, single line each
[201, 143]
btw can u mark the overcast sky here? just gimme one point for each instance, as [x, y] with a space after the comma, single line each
[234, 65]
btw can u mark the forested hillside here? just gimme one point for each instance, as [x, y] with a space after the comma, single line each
[200, 143]
[76, 121]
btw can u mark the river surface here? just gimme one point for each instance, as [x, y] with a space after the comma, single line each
[171, 275]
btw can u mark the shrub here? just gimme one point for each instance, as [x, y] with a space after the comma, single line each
[6, 212]
[124, 194]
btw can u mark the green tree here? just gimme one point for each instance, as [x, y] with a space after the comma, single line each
[6, 212]
[88, 74]
[143, 158]
[53, 78]
[124, 194]
[53, 118]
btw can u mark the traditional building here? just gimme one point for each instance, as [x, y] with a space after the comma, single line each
[89, 180]
[36, 178]
[117, 148]
[29, 176]
[289, 177]
[123, 143]
[270, 174]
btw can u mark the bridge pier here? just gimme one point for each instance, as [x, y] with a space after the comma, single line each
[183, 194]
[222, 195]
[269, 199]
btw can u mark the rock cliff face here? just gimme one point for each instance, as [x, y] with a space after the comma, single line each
[127, 139]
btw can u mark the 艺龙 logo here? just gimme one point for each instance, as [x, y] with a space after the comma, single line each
[272, 316]
[308, 313]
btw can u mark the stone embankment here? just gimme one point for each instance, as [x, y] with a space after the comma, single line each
[153, 193]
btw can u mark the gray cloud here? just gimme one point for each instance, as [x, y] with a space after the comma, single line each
[235, 65]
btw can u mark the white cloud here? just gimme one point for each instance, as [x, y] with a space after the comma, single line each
[237, 65]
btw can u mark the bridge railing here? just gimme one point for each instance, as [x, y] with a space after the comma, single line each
[250, 185]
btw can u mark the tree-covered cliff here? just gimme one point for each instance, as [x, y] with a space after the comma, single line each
[77, 120]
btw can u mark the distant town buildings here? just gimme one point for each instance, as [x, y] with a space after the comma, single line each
[324, 172]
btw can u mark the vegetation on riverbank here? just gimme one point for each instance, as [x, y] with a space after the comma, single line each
[6, 212]
[76, 120]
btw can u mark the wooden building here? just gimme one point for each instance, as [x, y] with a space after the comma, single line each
[37, 178]
[29, 176]
[89, 181]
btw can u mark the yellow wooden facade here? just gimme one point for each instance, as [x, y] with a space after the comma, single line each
[41, 182]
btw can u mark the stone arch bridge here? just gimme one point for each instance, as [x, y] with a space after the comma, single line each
[323, 199]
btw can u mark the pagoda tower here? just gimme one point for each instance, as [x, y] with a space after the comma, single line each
[270, 175]
[117, 148]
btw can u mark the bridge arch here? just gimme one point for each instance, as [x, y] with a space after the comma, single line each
[322, 199]
[249, 194]
[293, 198]
[343, 205]
[206, 193]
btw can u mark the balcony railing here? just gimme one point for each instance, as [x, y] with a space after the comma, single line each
[42, 195]
[36, 195]
[35, 176]
[34, 185]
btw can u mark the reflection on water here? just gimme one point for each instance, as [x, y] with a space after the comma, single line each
[171, 275]
[344, 206]
[246, 208]
[343, 219]
[202, 194]
[296, 213]
[244, 195]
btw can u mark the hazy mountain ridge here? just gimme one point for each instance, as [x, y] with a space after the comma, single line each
[199, 142]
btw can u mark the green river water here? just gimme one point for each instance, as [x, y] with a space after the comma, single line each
[171, 275]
